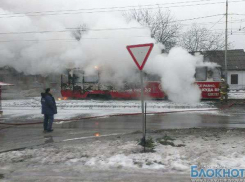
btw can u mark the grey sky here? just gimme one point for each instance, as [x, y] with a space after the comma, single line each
[28, 49]
[182, 12]
[186, 12]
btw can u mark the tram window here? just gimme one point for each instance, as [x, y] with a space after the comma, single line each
[201, 74]
[151, 77]
[234, 79]
[209, 73]
[216, 74]
[91, 79]
[64, 78]
[79, 78]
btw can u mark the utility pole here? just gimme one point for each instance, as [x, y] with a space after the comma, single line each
[226, 40]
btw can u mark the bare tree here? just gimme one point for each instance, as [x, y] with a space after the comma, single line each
[199, 38]
[78, 32]
[163, 27]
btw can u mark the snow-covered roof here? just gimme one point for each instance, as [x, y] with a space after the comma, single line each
[5, 84]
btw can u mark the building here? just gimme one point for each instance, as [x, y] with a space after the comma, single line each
[235, 65]
[27, 85]
[2, 85]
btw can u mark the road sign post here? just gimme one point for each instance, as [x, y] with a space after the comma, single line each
[140, 54]
[145, 126]
[142, 107]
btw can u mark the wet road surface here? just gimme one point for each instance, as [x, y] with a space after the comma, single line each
[29, 135]
[231, 118]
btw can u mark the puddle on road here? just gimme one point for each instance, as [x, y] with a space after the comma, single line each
[48, 139]
[173, 120]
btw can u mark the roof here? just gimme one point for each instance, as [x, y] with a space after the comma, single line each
[235, 58]
[5, 84]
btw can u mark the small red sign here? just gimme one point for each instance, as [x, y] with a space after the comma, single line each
[210, 90]
[140, 53]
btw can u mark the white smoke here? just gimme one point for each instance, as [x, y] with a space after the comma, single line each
[104, 48]
[177, 70]
[99, 46]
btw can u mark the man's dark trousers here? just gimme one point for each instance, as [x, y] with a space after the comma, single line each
[48, 121]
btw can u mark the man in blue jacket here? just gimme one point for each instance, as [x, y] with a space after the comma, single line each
[49, 109]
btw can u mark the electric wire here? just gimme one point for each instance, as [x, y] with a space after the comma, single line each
[216, 22]
[109, 29]
[53, 11]
[122, 28]
[69, 29]
[102, 11]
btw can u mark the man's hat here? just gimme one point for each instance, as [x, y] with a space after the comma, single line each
[47, 90]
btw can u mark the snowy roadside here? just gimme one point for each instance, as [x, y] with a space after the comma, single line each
[30, 108]
[35, 102]
[179, 150]
[233, 94]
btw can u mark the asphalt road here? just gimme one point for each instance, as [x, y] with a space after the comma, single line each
[28, 135]
[19, 137]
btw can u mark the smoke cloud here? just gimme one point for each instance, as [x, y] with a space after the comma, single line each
[177, 70]
[103, 44]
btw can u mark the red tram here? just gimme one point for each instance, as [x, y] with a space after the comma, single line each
[208, 80]
[77, 85]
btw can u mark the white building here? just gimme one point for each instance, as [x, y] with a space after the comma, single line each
[235, 65]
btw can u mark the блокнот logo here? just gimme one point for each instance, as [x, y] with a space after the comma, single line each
[216, 173]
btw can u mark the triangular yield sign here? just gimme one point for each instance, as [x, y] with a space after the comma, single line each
[140, 53]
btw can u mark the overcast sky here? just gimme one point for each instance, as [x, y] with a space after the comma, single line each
[192, 9]
[186, 9]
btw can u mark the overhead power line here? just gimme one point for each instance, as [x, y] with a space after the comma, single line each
[93, 38]
[69, 30]
[72, 40]
[105, 8]
[107, 29]
[237, 14]
[217, 22]
[113, 9]
[129, 28]
[238, 34]
[202, 17]
[212, 22]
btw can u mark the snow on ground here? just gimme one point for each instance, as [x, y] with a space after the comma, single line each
[234, 94]
[202, 147]
[31, 108]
